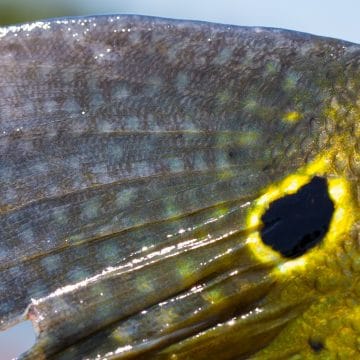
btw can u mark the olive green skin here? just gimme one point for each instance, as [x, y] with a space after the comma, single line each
[132, 153]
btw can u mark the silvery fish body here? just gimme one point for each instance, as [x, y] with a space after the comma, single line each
[138, 158]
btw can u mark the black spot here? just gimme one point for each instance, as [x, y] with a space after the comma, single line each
[316, 345]
[231, 154]
[296, 223]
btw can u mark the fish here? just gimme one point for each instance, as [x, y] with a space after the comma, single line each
[175, 189]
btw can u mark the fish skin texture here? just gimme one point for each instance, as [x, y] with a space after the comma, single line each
[133, 154]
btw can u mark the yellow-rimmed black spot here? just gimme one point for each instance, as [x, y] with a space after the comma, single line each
[295, 223]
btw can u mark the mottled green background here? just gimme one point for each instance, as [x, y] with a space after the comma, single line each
[16, 11]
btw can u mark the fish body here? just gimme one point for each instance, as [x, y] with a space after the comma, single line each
[138, 159]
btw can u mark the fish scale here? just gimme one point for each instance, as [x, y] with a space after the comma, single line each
[138, 156]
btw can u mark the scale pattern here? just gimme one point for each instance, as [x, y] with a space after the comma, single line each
[131, 150]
